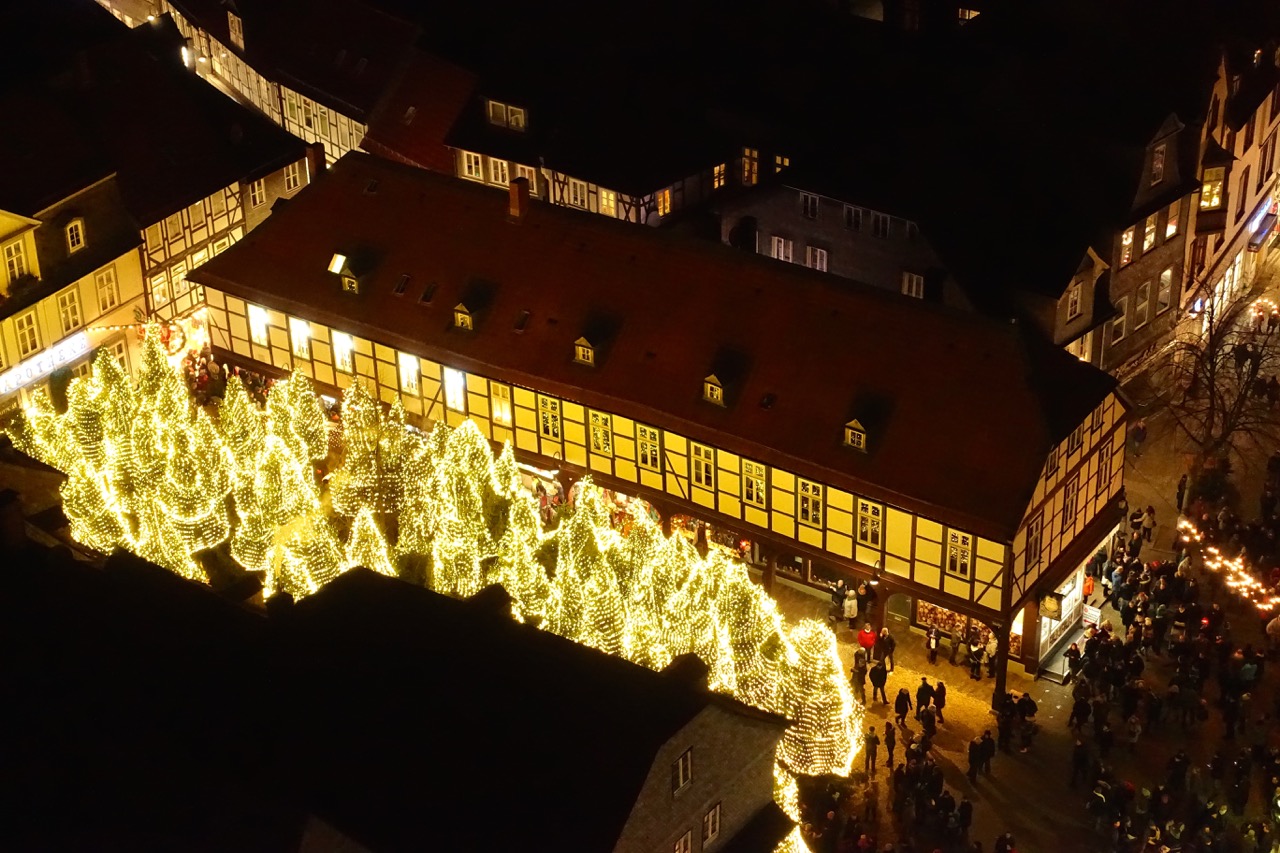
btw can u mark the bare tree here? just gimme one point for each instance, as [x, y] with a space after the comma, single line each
[1219, 384]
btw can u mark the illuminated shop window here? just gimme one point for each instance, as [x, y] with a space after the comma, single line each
[455, 390]
[258, 325]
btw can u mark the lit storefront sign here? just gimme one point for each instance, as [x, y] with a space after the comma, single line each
[34, 368]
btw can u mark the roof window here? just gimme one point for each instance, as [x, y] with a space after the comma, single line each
[713, 390]
[584, 352]
[462, 318]
[855, 436]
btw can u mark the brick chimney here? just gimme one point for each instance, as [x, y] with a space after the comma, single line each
[519, 199]
[315, 159]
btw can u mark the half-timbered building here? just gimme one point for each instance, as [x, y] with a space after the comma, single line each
[963, 464]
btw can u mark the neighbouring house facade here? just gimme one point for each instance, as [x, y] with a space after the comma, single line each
[809, 484]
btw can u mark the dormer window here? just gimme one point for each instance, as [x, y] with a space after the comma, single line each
[462, 318]
[855, 436]
[584, 352]
[235, 28]
[75, 236]
[337, 263]
[713, 390]
[505, 115]
[350, 284]
[1211, 188]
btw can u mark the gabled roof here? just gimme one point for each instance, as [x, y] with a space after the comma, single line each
[968, 430]
[412, 123]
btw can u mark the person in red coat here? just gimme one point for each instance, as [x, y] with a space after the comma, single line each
[867, 637]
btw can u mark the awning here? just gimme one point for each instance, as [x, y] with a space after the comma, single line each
[1264, 230]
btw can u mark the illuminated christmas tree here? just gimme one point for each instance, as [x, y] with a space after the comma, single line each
[90, 506]
[282, 486]
[243, 428]
[366, 546]
[310, 558]
[816, 696]
[86, 413]
[517, 566]
[252, 540]
[356, 483]
[295, 414]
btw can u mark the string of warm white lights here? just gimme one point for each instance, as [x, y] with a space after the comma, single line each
[1235, 573]
[150, 472]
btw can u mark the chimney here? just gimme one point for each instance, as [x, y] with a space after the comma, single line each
[315, 159]
[519, 199]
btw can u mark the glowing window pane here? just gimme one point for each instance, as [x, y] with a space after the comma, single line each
[258, 325]
[455, 389]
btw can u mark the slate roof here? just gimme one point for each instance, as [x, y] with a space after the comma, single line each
[969, 407]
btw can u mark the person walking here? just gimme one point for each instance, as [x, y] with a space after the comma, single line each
[931, 639]
[885, 646]
[870, 747]
[902, 706]
[924, 695]
[1139, 435]
[879, 675]
[1182, 490]
[1149, 524]
[975, 759]
[975, 657]
[890, 742]
[940, 700]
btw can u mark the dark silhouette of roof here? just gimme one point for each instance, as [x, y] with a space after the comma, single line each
[968, 434]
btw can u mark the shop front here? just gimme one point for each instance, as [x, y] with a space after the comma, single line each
[732, 544]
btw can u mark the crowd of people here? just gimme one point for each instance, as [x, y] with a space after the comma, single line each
[207, 380]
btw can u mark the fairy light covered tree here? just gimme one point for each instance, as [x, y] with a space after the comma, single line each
[517, 567]
[814, 694]
[86, 414]
[366, 545]
[95, 517]
[310, 558]
[243, 428]
[252, 540]
[295, 413]
[196, 484]
[355, 484]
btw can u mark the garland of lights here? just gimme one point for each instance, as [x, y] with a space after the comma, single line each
[149, 472]
[1236, 574]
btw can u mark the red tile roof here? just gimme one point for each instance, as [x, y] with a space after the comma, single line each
[961, 411]
[436, 91]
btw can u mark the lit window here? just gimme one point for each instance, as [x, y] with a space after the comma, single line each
[218, 203]
[808, 205]
[809, 496]
[717, 176]
[968, 15]
[780, 162]
[913, 285]
[344, 347]
[1118, 324]
[235, 28]
[515, 118]
[1126, 246]
[107, 288]
[1149, 232]
[682, 771]
[1157, 164]
[684, 844]
[455, 389]
[292, 176]
[350, 284]
[583, 352]
[300, 337]
[712, 390]
[154, 238]
[120, 351]
[1141, 303]
[549, 417]
[472, 166]
[602, 433]
[462, 317]
[28, 334]
[577, 193]
[753, 483]
[15, 261]
[880, 225]
[530, 174]
[500, 399]
[711, 825]
[258, 325]
[815, 258]
[855, 436]
[870, 517]
[664, 202]
[750, 166]
[704, 466]
[337, 262]
[69, 310]
[408, 373]
[959, 553]
[160, 289]
[75, 235]
[173, 228]
[257, 193]
[1164, 294]
[1211, 188]
[195, 213]
[1035, 538]
[608, 203]
[1075, 300]
[853, 217]
[498, 113]
[782, 248]
[648, 446]
[498, 173]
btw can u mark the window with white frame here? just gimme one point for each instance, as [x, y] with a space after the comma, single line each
[515, 118]
[154, 238]
[27, 332]
[712, 390]
[704, 465]
[344, 348]
[855, 436]
[258, 325]
[472, 166]
[808, 205]
[15, 260]
[1126, 246]
[1104, 466]
[601, 433]
[1164, 293]
[815, 258]
[853, 217]
[498, 173]
[195, 214]
[1076, 440]
[711, 825]
[1052, 464]
[160, 289]
[753, 483]
[500, 401]
[750, 166]
[1149, 232]
[1141, 304]
[577, 193]
[497, 113]
[530, 174]
[682, 771]
[1171, 221]
[880, 225]
[292, 176]
[809, 497]
[69, 309]
[684, 844]
[107, 288]
[455, 390]
[218, 203]
[300, 337]
[120, 351]
[549, 417]
[648, 447]
[959, 553]
[75, 235]
[1070, 496]
[782, 248]
[913, 285]
[664, 202]
[870, 523]
[462, 318]
[257, 193]
[1034, 542]
[1075, 300]
[717, 176]
[584, 352]
[409, 372]
[608, 203]
[1211, 188]
[1118, 324]
[235, 29]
